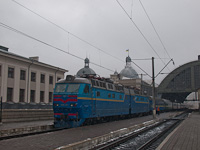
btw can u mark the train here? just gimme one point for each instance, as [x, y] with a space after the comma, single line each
[78, 100]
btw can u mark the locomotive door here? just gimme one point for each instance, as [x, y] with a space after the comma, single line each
[130, 105]
[127, 93]
[93, 97]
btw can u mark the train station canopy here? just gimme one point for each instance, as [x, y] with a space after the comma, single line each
[182, 81]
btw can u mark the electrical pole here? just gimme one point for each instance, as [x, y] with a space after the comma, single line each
[153, 90]
[1, 110]
[141, 88]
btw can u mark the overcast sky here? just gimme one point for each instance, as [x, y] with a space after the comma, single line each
[105, 25]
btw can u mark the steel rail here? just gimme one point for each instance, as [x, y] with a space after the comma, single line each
[125, 138]
[121, 140]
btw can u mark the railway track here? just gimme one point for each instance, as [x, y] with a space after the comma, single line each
[145, 139]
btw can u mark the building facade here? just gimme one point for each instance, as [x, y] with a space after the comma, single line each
[26, 80]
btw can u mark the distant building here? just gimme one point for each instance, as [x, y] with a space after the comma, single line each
[129, 77]
[128, 71]
[26, 80]
[86, 70]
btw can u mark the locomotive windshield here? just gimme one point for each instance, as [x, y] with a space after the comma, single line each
[60, 88]
[69, 88]
[73, 88]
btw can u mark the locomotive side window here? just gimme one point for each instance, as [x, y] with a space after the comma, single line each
[104, 85]
[97, 83]
[100, 84]
[86, 89]
[133, 97]
[93, 82]
[110, 86]
[60, 88]
[73, 88]
[98, 93]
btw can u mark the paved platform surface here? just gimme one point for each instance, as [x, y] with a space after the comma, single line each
[15, 125]
[186, 136]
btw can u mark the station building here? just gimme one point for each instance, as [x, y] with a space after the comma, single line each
[26, 80]
[129, 77]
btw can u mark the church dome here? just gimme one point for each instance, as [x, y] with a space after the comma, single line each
[128, 71]
[86, 70]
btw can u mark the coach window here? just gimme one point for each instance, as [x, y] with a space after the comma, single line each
[109, 95]
[98, 94]
[120, 96]
[86, 89]
[113, 95]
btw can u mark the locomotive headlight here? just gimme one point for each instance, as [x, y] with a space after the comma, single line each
[73, 105]
[56, 104]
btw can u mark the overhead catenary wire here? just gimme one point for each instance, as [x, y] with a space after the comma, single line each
[154, 29]
[140, 31]
[47, 44]
[54, 47]
[69, 33]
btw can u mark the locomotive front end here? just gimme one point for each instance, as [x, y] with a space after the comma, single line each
[67, 108]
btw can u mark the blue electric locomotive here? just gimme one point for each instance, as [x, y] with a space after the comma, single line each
[77, 100]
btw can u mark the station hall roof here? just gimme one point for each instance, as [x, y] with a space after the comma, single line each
[182, 81]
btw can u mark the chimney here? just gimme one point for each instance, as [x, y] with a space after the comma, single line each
[36, 58]
[3, 48]
[199, 57]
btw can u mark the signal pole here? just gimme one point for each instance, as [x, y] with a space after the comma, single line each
[153, 90]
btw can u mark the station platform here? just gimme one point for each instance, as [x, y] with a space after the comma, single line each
[186, 136]
[14, 128]
[14, 125]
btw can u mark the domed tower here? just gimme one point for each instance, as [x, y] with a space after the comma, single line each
[128, 71]
[86, 70]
